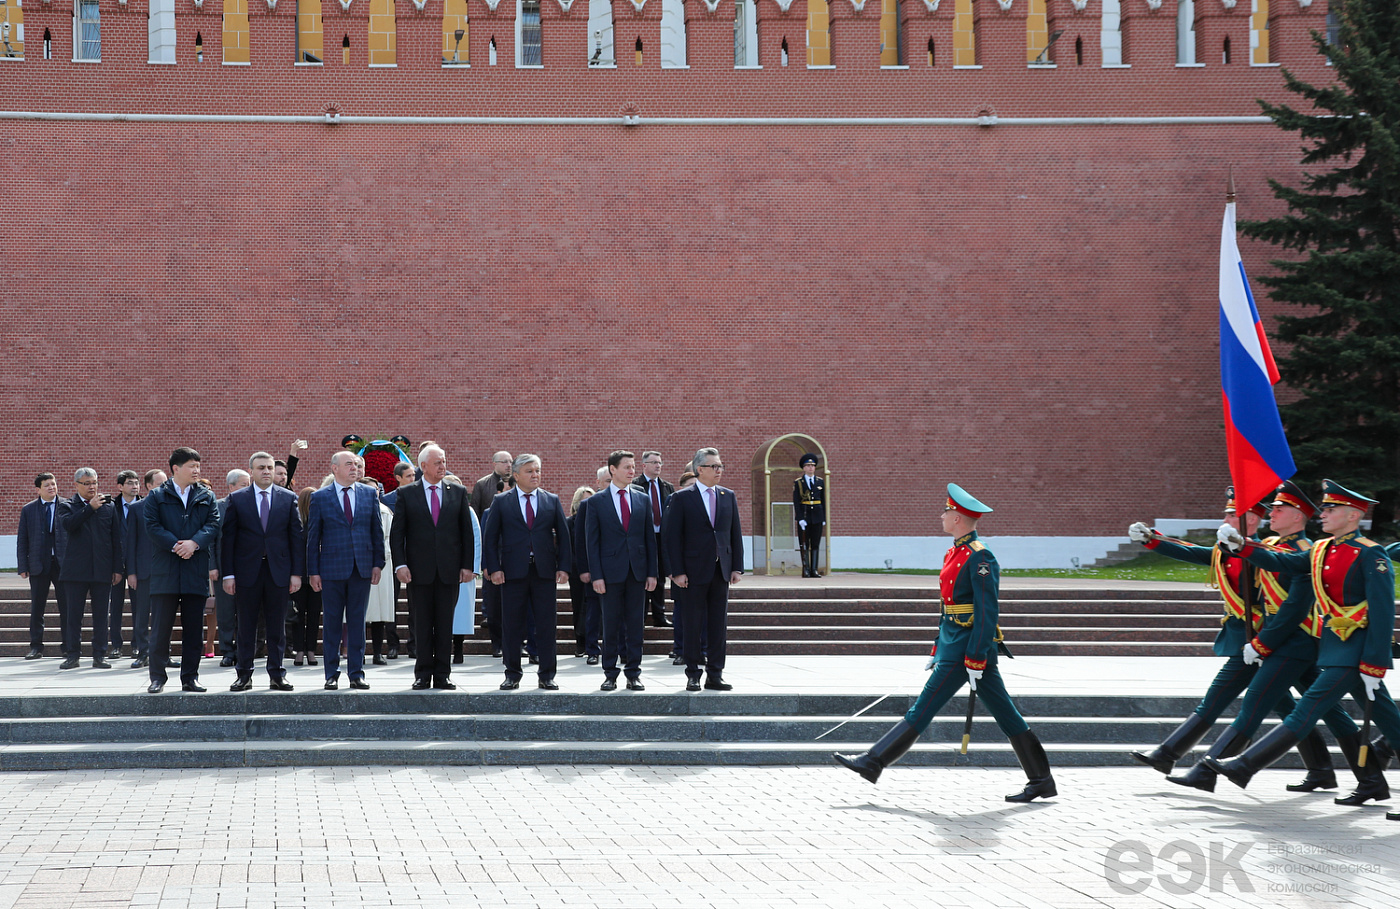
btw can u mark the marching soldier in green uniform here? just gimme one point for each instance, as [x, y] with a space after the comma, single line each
[1353, 585]
[809, 511]
[966, 651]
[1287, 646]
[1236, 629]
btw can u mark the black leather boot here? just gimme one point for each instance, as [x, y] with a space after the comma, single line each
[1370, 781]
[1318, 760]
[1382, 753]
[1031, 754]
[1258, 756]
[892, 746]
[1392, 815]
[1164, 757]
[1229, 744]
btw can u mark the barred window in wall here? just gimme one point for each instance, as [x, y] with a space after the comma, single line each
[456, 28]
[311, 34]
[745, 33]
[87, 30]
[12, 29]
[528, 50]
[160, 32]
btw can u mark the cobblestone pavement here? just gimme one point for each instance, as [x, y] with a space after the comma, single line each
[677, 836]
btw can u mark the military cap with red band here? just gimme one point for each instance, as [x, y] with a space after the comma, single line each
[1334, 493]
[1288, 493]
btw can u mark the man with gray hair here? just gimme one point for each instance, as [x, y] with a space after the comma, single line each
[225, 606]
[90, 562]
[704, 546]
[526, 551]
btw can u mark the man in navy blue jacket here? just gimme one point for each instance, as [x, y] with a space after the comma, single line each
[621, 548]
[37, 552]
[181, 518]
[263, 554]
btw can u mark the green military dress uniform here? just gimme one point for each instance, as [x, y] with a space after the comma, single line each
[968, 639]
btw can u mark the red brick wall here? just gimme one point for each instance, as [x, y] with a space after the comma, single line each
[1027, 310]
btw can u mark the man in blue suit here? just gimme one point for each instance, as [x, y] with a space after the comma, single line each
[525, 551]
[705, 554]
[181, 518]
[344, 555]
[263, 555]
[621, 548]
[137, 546]
[37, 549]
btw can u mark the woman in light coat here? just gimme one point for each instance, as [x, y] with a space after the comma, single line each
[381, 596]
[464, 619]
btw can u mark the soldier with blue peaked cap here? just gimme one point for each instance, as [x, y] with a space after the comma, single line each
[966, 651]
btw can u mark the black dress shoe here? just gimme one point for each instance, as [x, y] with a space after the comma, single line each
[445, 685]
[333, 683]
[534, 661]
[594, 660]
[717, 684]
[140, 662]
[579, 651]
[280, 685]
[659, 620]
[510, 684]
[496, 654]
[393, 653]
[692, 684]
[99, 663]
[635, 685]
[422, 684]
[549, 685]
[34, 654]
[413, 653]
[242, 683]
[458, 659]
[70, 663]
[379, 660]
[609, 685]
[171, 664]
[358, 683]
[194, 687]
[114, 653]
[677, 660]
[311, 660]
[228, 660]
[155, 688]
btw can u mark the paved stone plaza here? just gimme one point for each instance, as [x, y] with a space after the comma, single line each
[677, 836]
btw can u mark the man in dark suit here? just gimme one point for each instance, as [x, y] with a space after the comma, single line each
[526, 552]
[225, 607]
[705, 554]
[622, 563]
[433, 544]
[182, 520]
[90, 561]
[658, 491]
[809, 511]
[262, 554]
[344, 556]
[136, 548]
[37, 551]
[128, 492]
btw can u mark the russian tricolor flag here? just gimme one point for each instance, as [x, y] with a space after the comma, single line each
[1254, 440]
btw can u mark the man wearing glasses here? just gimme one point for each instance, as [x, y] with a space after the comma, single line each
[704, 548]
[90, 562]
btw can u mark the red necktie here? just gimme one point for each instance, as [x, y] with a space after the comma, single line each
[626, 511]
[349, 515]
[656, 502]
[433, 504]
[529, 512]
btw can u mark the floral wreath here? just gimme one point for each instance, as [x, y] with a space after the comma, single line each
[380, 456]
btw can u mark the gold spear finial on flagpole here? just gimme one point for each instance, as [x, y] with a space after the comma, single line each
[1230, 186]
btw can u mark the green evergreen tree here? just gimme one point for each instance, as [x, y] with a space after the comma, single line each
[1344, 226]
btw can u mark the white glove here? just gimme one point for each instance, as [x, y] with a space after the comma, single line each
[1230, 537]
[1372, 683]
[972, 677]
[802, 524]
[932, 661]
[1251, 656]
[1139, 532]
